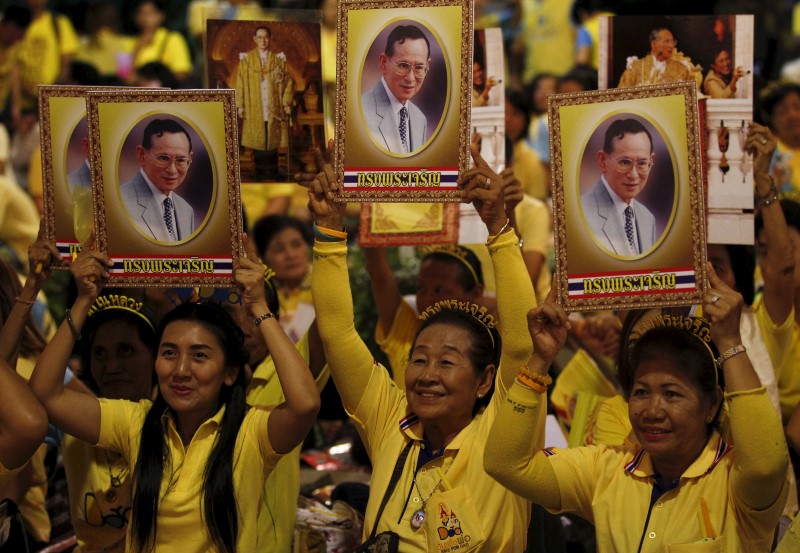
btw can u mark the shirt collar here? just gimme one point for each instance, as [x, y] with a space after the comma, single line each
[212, 422]
[157, 194]
[396, 104]
[411, 426]
[639, 463]
[619, 203]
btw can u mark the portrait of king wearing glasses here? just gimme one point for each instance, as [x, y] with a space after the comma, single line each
[620, 223]
[164, 156]
[395, 122]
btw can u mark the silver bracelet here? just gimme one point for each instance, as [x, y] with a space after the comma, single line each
[263, 318]
[727, 354]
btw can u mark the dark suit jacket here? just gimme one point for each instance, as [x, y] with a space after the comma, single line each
[382, 123]
[147, 214]
[598, 208]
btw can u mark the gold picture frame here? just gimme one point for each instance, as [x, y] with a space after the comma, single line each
[202, 239]
[371, 158]
[660, 260]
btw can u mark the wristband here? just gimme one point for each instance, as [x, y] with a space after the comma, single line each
[533, 380]
[76, 335]
[329, 235]
[263, 318]
[727, 354]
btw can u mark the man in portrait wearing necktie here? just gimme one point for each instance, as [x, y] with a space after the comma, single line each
[164, 155]
[395, 122]
[619, 222]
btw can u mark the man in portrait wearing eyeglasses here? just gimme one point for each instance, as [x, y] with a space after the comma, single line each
[619, 222]
[164, 155]
[395, 122]
[658, 66]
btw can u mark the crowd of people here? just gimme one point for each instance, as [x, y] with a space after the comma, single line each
[177, 418]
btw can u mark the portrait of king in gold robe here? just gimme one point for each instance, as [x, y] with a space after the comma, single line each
[264, 95]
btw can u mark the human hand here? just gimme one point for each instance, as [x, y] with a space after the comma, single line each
[761, 144]
[249, 273]
[512, 191]
[722, 307]
[548, 325]
[601, 333]
[89, 269]
[483, 188]
[42, 255]
[322, 190]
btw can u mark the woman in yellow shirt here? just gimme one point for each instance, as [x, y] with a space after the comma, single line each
[201, 456]
[684, 488]
[456, 378]
[157, 43]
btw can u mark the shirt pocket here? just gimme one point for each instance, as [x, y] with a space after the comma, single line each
[704, 546]
[452, 523]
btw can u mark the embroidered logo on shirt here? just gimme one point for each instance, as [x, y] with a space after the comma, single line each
[451, 536]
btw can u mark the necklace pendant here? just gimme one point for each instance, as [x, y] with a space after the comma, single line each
[111, 495]
[417, 519]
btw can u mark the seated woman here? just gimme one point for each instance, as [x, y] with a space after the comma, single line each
[118, 344]
[684, 484]
[721, 79]
[432, 434]
[201, 456]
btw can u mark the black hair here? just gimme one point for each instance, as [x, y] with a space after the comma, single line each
[531, 87]
[521, 102]
[483, 351]
[584, 75]
[84, 74]
[157, 71]
[145, 333]
[267, 228]
[18, 15]
[157, 4]
[269, 33]
[685, 351]
[220, 510]
[464, 277]
[157, 127]
[619, 128]
[400, 34]
[774, 95]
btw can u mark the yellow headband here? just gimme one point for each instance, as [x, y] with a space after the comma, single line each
[119, 301]
[478, 312]
[453, 250]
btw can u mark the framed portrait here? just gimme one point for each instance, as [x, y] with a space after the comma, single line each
[166, 187]
[414, 56]
[275, 66]
[67, 178]
[628, 198]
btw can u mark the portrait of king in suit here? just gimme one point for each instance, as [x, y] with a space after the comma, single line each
[394, 121]
[620, 223]
[164, 156]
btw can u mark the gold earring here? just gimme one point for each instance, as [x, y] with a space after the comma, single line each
[709, 419]
[480, 396]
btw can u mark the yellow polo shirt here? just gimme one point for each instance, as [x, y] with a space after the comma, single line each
[180, 524]
[169, 48]
[40, 51]
[100, 511]
[611, 487]
[276, 518]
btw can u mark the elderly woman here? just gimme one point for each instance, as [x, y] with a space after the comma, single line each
[431, 436]
[684, 484]
[721, 79]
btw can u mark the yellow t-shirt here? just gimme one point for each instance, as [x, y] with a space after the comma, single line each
[396, 344]
[8, 59]
[467, 510]
[276, 518]
[40, 50]
[789, 376]
[19, 219]
[529, 170]
[99, 483]
[169, 48]
[549, 37]
[180, 524]
[103, 52]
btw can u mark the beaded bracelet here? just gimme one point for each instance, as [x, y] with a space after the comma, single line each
[770, 197]
[534, 381]
[263, 318]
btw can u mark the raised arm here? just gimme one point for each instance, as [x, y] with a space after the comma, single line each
[776, 253]
[515, 297]
[385, 290]
[349, 359]
[74, 412]
[23, 420]
[761, 455]
[511, 457]
[290, 421]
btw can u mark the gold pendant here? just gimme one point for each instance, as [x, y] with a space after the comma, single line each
[111, 495]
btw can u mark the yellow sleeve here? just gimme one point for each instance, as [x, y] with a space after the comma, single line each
[69, 39]
[121, 424]
[762, 458]
[350, 362]
[255, 429]
[515, 460]
[514, 299]
[777, 337]
[176, 54]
